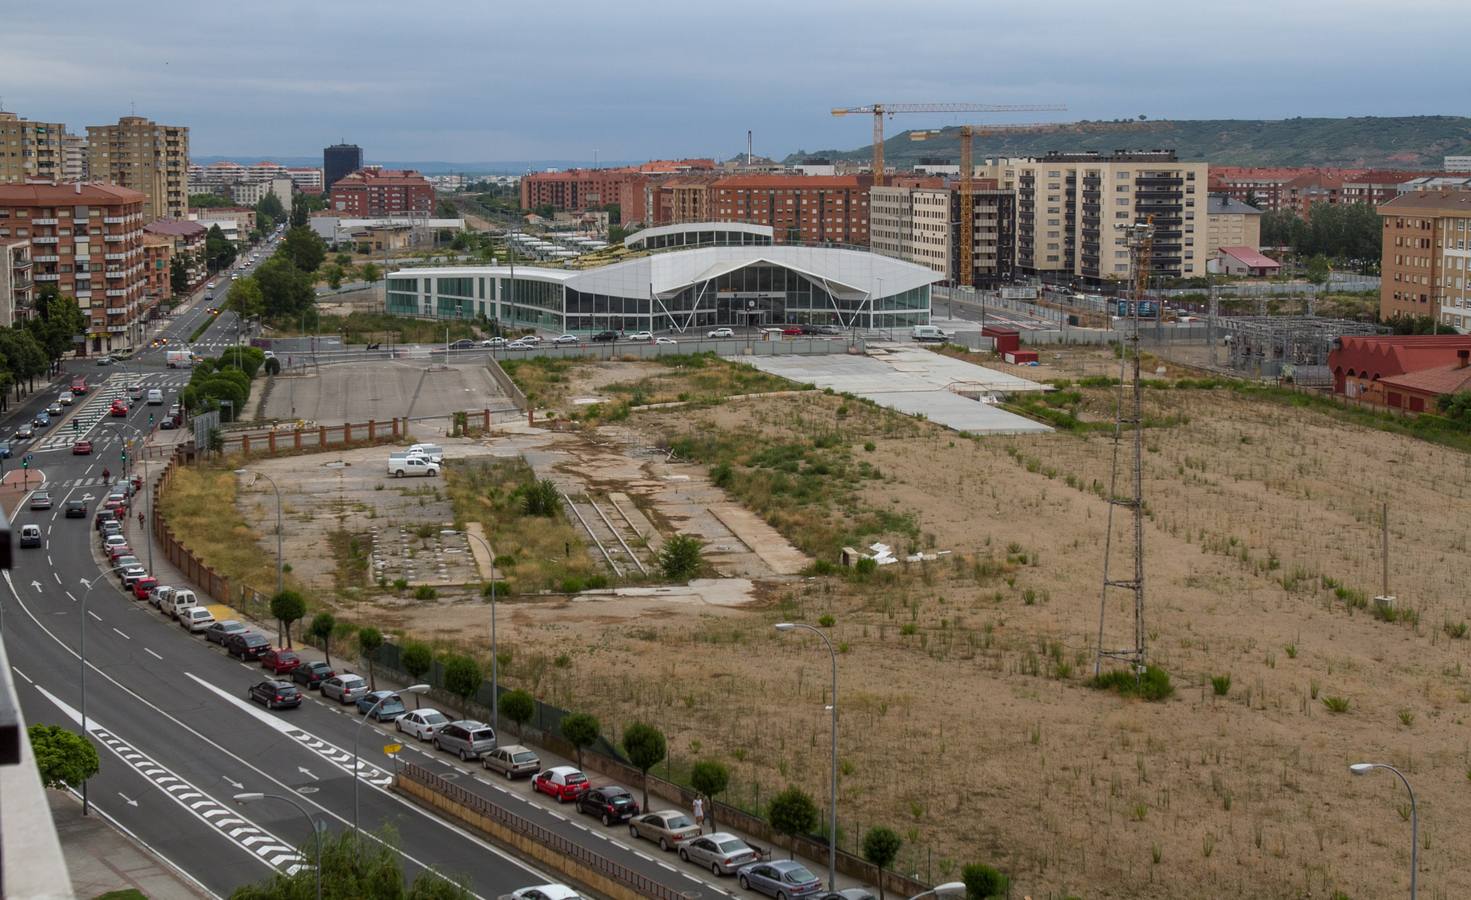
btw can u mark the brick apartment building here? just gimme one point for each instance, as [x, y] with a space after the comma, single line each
[374, 192]
[921, 224]
[158, 260]
[87, 240]
[1425, 261]
[578, 190]
[187, 240]
[799, 209]
[144, 156]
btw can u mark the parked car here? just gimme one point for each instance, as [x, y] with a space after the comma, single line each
[133, 574]
[82, 448]
[160, 596]
[410, 466]
[793, 331]
[116, 547]
[389, 705]
[512, 760]
[779, 878]
[312, 674]
[247, 645]
[668, 828]
[641, 336]
[565, 339]
[76, 509]
[605, 336]
[103, 517]
[345, 688]
[720, 852]
[421, 723]
[179, 603]
[542, 892]
[849, 894]
[196, 619]
[610, 803]
[465, 738]
[222, 629]
[279, 661]
[275, 694]
[563, 782]
[143, 587]
[41, 500]
[720, 333]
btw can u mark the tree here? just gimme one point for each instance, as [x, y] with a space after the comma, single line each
[58, 323]
[285, 290]
[288, 607]
[710, 778]
[792, 812]
[680, 558]
[369, 640]
[581, 731]
[417, 659]
[519, 707]
[880, 847]
[333, 273]
[219, 252]
[344, 259]
[299, 213]
[304, 248]
[983, 882]
[371, 272]
[273, 366]
[269, 211]
[462, 677]
[353, 866]
[64, 758]
[1319, 269]
[245, 297]
[178, 275]
[323, 624]
[209, 201]
[646, 748]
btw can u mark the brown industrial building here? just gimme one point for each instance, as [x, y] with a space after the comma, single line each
[1425, 263]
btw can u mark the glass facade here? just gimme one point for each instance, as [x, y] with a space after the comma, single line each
[704, 238]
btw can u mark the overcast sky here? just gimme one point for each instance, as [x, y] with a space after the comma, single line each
[639, 79]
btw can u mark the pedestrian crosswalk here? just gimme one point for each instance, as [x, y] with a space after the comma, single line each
[94, 406]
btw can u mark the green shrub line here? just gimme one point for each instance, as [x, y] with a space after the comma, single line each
[1153, 685]
[208, 321]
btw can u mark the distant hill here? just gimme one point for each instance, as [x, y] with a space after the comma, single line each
[1406, 142]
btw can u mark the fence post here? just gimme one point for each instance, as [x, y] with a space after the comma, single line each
[296, 437]
[372, 430]
[271, 441]
[245, 445]
[321, 437]
[346, 433]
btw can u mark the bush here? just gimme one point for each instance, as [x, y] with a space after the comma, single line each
[880, 847]
[1154, 685]
[519, 707]
[425, 592]
[826, 621]
[680, 558]
[288, 607]
[1336, 704]
[646, 748]
[792, 812]
[323, 624]
[1221, 684]
[710, 778]
[540, 498]
[581, 730]
[982, 882]
[417, 659]
[64, 758]
[462, 677]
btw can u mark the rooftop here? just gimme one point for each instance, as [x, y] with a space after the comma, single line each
[1428, 201]
[1222, 204]
[68, 194]
[175, 227]
[1447, 379]
[1250, 257]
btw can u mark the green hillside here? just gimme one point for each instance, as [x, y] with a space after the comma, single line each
[1408, 142]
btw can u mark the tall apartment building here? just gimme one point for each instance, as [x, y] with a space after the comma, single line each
[811, 209]
[340, 160]
[375, 192]
[682, 198]
[1068, 204]
[29, 149]
[1425, 261]
[74, 158]
[87, 240]
[17, 283]
[578, 190]
[306, 179]
[924, 225]
[142, 155]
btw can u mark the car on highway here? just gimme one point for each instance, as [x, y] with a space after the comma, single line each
[82, 448]
[565, 339]
[512, 760]
[30, 536]
[603, 337]
[563, 782]
[275, 694]
[41, 420]
[463, 344]
[664, 341]
[389, 705]
[247, 645]
[782, 878]
[720, 852]
[520, 345]
[119, 409]
[5, 449]
[65, 398]
[542, 892]
[76, 509]
[196, 619]
[610, 803]
[279, 661]
[135, 392]
[793, 331]
[25, 431]
[668, 828]
[422, 723]
[720, 333]
[345, 688]
[466, 738]
[210, 286]
[222, 629]
[41, 500]
[641, 336]
[532, 339]
[54, 409]
[493, 342]
[312, 674]
[143, 587]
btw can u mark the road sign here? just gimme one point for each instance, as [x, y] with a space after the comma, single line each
[391, 749]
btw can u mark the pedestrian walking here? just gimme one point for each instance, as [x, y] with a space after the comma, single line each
[700, 814]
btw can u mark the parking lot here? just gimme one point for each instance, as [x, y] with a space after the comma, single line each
[359, 391]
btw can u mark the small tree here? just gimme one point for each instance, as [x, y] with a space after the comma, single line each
[792, 812]
[880, 847]
[273, 366]
[581, 730]
[646, 748]
[710, 777]
[1319, 268]
[369, 640]
[462, 677]
[64, 758]
[288, 607]
[983, 882]
[371, 272]
[680, 558]
[321, 628]
[540, 498]
[417, 659]
[519, 707]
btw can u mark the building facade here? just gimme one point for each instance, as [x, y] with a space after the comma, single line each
[144, 156]
[699, 234]
[235, 222]
[87, 241]
[1231, 223]
[158, 257]
[924, 225]
[249, 193]
[306, 179]
[799, 209]
[1365, 367]
[1425, 262]
[375, 192]
[187, 239]
[30, 149]
[74, 166]
[339, 161]
[17, 281]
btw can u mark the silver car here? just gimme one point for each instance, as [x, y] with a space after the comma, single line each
[721, 853]
[466, 738]
[345, 688]
[512, 760]
[422, 723]
[668, 828]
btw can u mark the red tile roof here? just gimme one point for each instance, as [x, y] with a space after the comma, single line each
[68, 194]
[1250, 257]
[1385, 356]
[1439, 380]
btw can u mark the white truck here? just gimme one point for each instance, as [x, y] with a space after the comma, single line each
[928, 333]
[407, 466]
[177, 358]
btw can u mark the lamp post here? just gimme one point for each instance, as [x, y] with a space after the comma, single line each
[251, 796]
[411, 689]
[832, 839]
[272, 481]
[1365, 769]
[942, 890]
[86, 806]
[147, 532]
[495, 688]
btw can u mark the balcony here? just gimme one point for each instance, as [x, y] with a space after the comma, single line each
[44, 221]
[115, 238]
[117, 292]
[117, 310]
[114, 220]
[47, 276]
[45, 259]
[45, 239]
[23, 263]
[21, 284]
[116, 273]
[115, 256]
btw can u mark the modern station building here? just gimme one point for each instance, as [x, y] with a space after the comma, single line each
[680, 290]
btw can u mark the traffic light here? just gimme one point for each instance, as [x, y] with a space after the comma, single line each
[76, 426]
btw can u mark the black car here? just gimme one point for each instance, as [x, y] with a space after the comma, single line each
[76, 509]
[312, 674]
[463, 344]
[605, 336]
[275, 694]
[246, 645]
[610, 803]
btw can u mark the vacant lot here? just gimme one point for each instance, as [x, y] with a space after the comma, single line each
[569, 385]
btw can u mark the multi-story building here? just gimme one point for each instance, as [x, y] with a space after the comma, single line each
[812, 209]
[29, 149]
[1375, 186]
[924, 225]
[17, 282]
[142, 155]
[1425, 261]
[576, 190]
[372, 192]
[1231, 223]
[891, 221]
[1068, 204]
[158, 257]
[679, 199]
[236, 222]
[188, 244]
[1457, 163]
[249, 193]
[74, 158]
[306, 179]
[87, 240]
[338, 161]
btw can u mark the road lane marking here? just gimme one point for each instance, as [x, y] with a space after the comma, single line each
[22, 675]
[152, 654]
[94, 615]
[124, 636]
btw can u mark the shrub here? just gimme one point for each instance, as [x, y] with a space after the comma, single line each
[1153, 685]
[792, 812]
[1221, 684]
[425, 592]
[1336, 704]
[865, 568]
[982, 882]
[288, 607]
[417, 659]
[519, 707]
[826, 621]
[710, 778]
[540, 498]
[64, 758]
[581, 730]
[462, 677]
[681, 559]
[1456, 631]
[646, 748]
[880, 847]
[323, 624]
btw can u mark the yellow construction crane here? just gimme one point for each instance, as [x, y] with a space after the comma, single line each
[879, 110]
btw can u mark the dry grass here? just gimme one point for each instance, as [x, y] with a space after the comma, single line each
[699, 378]
[200, 507]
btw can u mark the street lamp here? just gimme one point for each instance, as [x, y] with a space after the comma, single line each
[142, 439]
[1365, 769]
[411, 689]
[832, 839]
[251, 796]
[83, 657]
[279, 567]
[495, 689]
[942, 890]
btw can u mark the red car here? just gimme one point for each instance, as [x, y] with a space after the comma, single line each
[142, 586]
[119, 409]
[280, 662]
[82, 448]
[563, 782]
[793, 330]
[117, 551]
[79, 385]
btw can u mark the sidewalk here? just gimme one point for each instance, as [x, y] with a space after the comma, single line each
[100, 858]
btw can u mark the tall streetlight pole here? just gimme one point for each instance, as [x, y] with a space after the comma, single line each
[947, 889]
[1365, 769]
[86, 806]
[832, 838]
[411, 689]
[251, 796]
[280, 569]
[495, 685]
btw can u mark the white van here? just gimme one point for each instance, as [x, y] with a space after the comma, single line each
[924, 333]
[196, 618]
[180, 603]
[155, 397]
[30, 535]
[432, 452]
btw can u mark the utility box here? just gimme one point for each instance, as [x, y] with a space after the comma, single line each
[1004, 338]
[1021, 357]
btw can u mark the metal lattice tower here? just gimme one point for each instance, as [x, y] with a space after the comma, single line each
[1140, 236]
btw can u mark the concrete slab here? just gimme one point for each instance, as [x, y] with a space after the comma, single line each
[381, 389]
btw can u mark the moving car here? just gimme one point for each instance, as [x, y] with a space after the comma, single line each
[76, 509]
[30, 535]
[41, 500]
[779, 878]
[275, 694]
[520, 345]
[463, 344]
[312, 674]
[222, 629]
[793, 331]
[104, 360]
[135, 391]
[421, 723]
[41, 420]
[280, 662]
[721, 333]
[82, 448]
[664, 341]
[604, 336]
[5, 449]
[641, 336]
[668, 828]
[511, 761]
[563, 782]
[345, 688]
[493, 342]
[119, 409]
[246, 645]
[65, 398]
[565, 339]
[155, 397]
[720, 852]
[465, 738]
[610, 803]
[542, 892]
[25, 431]
[54, 409]
[389, 705]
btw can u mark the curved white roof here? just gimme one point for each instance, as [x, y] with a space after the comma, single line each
[639, 237]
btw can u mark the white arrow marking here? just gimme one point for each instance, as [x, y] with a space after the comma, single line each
[130, 801]
[303, 770]
[233, 783]
[36, 585]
